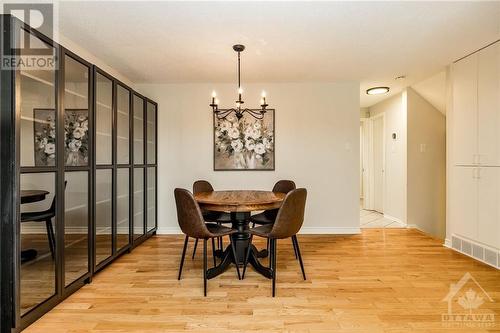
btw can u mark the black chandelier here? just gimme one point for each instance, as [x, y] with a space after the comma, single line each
[238, 110]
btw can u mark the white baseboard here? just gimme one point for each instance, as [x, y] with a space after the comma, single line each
[304, 231]
[447, 243]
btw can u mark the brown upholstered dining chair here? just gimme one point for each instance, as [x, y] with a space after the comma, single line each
[192, 225]
[287, 224]
[210, 216]
[269, 216]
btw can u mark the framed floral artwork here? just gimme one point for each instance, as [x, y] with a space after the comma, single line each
[76, 137]
[244, 144]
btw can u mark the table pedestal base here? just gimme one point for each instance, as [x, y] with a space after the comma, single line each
[241, 241]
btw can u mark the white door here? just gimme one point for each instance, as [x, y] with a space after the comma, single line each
[463, 201]
[464, 116]
[378, 164]
[488, 105]
[488, 206]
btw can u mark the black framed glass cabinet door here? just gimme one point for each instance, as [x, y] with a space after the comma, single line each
[69, 206]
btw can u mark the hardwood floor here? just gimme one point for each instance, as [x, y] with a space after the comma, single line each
[384, 280]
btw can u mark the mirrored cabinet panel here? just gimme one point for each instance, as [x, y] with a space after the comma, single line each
[138, 130]
[76, 112]
[151, 195]
[103, 119]
[122, 125]
[37, 113]
[151, 133]
[122, 208]
[103, 215]
[38, 239]
[76, 226]
[138, 202]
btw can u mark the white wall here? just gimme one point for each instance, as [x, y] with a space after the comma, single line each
[426, 166]
[394, 109]
[317, 145]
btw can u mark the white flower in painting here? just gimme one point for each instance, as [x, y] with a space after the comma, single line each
[217, 133]
[81, 118]
[231, 118]
[237, 145]
[233, 133]
[255, 134]
[267, 143]
[74, 145]
[50, 148]
[248, 132]
[225, 126]
[250, 144]
[85, 125]
[260, 149]
[52, 133]
[257, 156]
[42, 143]
[52, 156]
[257, 125]
[78, 133]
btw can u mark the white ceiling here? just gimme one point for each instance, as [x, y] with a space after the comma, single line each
[370, 42]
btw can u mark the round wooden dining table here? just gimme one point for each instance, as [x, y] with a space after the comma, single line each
[240, 204]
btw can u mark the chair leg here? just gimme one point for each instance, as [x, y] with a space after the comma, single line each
[50, 236]
[195, 245]
[268, 246]
[221, 247]
[294, 248]
[205, 267]
[213, 252]
[247, 257]
[296, 243]
[183, 255]
[235, 257]
[273, 263]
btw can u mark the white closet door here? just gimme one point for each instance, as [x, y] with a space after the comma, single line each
[489, 206]
[464, 117]
[489, 105]
[463, 202]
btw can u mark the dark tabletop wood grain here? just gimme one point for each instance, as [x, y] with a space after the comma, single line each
[28, 196]
[239, 201]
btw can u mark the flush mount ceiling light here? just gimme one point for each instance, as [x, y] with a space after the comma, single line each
[239, 110]
[377, 90]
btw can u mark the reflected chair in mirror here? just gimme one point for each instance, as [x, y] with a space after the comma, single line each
[269, 216]
[193, 225]
[287, 224]
[46, 217]
[210, 216]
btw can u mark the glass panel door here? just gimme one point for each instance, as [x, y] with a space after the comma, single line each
[36, 92]
[138, 130]
[103, 215]
[151, 195]
[77, 158]
[122, 208]
[122, 125]
[138, 202]
[151, 133]
[104, 119]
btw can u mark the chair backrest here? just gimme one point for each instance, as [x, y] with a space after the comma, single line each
[52, 208]
[202, 186]
[290, 215]
[189, 215]
[284, 186]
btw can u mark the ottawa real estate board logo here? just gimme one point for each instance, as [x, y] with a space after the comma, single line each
[25, 50]
[465, 299]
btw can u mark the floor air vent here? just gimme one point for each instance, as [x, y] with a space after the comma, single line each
[477, 251]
